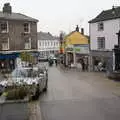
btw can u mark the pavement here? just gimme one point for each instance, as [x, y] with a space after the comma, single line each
[74, 95]
[34, 111]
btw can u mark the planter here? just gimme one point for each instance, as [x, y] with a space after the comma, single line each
[14, 110]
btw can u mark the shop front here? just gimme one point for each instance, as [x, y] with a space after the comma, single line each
[75, 53]
[8, 62]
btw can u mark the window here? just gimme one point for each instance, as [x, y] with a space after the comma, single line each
[45, 43]
[100, 26]
[39, 43]
[54, 43]
[28, 43]
[48, 43]
[101, 42]
[5, 44]
[4, 27]
[27, 27]
[57, 44]
[51, 44]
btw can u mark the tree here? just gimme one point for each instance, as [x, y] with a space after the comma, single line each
[25, 56]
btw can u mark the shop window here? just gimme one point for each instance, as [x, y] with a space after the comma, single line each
[5, 44]
[26, 27]
[28, 43]
[4, 27]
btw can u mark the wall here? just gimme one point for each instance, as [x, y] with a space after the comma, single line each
[16, 36]
[111, 27]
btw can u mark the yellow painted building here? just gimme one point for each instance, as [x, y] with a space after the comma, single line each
[76, 45]
[75, 38]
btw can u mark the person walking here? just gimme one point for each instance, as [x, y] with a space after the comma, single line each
[56, 62]
[83, 64]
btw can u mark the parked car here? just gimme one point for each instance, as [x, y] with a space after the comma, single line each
[43, 58]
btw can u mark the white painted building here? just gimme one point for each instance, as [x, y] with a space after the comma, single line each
[47, 44]
[108, 35]
[102, 31]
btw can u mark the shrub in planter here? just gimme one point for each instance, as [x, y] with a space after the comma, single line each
[17, 93]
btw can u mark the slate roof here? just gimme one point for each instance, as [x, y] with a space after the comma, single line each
[110, 14]
[46, 36]
[16, 16]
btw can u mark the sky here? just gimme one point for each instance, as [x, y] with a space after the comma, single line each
[61, 15]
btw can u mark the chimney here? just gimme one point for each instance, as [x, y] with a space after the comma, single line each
[82, 31]
[7, 8]
[77, 28]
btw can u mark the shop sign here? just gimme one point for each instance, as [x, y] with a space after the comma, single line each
[82, 49]
[69, 49]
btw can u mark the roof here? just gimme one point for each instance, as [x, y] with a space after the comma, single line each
[76, 38]
[46, 36]
[110, 14]
[16, 16]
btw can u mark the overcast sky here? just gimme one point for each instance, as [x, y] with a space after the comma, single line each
[61, 15]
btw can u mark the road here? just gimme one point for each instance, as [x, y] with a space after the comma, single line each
[80, 96]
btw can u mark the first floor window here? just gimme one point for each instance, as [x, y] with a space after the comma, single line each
[26, 27]
[101, 42]
[28, 43]
[5, 44]
[4, 27]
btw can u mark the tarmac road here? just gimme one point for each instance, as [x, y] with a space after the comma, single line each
[80, 96]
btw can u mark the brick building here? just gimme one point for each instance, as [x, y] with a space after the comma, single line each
[18, 33]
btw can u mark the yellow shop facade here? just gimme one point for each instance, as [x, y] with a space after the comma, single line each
[76, 46]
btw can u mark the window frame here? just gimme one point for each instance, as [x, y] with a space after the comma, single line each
[100, 43]
[100, 26]
[8, 45]
[28, 27]
[7, 28]
[28, 43]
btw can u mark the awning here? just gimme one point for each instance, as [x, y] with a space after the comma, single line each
[9, 56]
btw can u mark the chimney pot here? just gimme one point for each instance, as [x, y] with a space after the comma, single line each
[7, 8]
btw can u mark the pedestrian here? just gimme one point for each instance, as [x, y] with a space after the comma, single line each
[79, 66]
[56, 62]
[86, 64]
[83, 64]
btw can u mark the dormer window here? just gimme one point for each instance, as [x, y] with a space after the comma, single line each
[100, 26]
[26, 27]
[4, 27]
